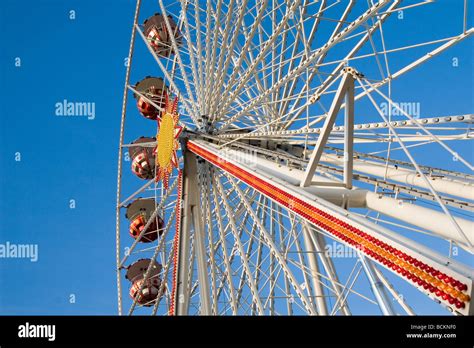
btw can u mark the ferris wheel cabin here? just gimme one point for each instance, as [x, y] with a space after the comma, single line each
[149, 288]
[143, 158]
[139, 212]
[157, 34]
[155, 90]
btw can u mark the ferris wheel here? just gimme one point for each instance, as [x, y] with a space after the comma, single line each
[265, 167]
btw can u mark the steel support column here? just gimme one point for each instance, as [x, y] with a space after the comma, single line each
[349, 134]
[377, 287]
[314, 267]
[192, 216]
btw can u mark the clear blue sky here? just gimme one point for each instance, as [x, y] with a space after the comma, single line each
[62, 158]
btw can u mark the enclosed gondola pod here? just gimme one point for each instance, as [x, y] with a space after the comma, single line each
[149, 287]
[154, 89]
[158, 36]
[139, 212]
[143, 157]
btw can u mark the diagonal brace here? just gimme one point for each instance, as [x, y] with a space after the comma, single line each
[345, 90]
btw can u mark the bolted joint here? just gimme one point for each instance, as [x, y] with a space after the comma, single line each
[352, 71]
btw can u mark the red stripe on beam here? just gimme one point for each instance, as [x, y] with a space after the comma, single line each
[439, 284]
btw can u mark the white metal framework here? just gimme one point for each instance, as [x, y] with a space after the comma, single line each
[300, 184]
